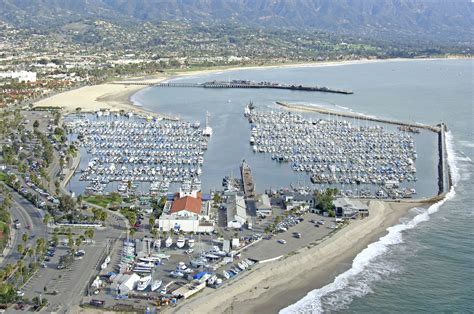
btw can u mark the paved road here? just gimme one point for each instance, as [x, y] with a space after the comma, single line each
[28, 215]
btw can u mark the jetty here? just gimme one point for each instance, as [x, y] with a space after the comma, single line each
[408, 125]
[244, 84]
[247, 180]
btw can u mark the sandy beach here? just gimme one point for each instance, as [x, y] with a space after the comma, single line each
[109, 96]
[275, 285]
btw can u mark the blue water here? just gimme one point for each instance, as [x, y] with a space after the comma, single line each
[425, 264]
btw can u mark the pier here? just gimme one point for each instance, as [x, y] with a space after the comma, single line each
[244, 84]
[247, 180]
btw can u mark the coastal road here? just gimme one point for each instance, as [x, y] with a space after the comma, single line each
[27, 215]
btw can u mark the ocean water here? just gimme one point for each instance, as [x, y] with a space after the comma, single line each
[423, 264]
[230, 141]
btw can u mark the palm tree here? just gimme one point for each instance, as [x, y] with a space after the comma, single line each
[20, 249]
[152, 221]
[24, 237]
[46, 220]
[132, 232]
[78, 241]
[89, 233]
[8, 269]
[31, 253]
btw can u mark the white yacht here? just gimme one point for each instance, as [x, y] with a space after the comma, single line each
[143, 283]
[207, 130]
[156, 284]
[191, 242]
[168, 241]
[180, 243]
[157, 243]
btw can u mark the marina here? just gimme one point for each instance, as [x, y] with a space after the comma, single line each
[129, 150]
[338, 152]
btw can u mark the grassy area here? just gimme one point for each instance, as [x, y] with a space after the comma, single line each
[103, 200]
[3, 176]
[98, 200]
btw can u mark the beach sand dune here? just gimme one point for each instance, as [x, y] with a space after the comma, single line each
[273, 286]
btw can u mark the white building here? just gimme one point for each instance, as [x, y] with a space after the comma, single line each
[127, 283]
[264, 206]
[236, 211]
[188, 213]
[22, 76]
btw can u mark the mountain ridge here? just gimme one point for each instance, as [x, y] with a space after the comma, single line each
[439, 20]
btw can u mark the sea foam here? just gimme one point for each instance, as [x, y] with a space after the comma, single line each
[356, 282]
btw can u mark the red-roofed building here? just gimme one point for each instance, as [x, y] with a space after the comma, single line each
[189, 204]
[186, 212]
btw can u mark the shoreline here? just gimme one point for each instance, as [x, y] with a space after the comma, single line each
[268, 288]
[115, 97]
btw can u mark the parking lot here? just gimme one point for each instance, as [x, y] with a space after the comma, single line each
[310, 232]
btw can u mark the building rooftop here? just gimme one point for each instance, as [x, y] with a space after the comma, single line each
[189, 203]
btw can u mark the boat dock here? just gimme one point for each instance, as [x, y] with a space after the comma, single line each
[247, 179]
[245, 84]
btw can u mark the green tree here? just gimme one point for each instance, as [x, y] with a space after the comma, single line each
[55, 239]
[20, 249]
[78, 242]
[89, 233]
[324, 200]
[152, 221]
[46, 219]
[7, 293]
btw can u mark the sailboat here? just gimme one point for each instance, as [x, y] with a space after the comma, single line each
[168, 241]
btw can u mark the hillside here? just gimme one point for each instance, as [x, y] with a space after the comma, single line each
[441, 21]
